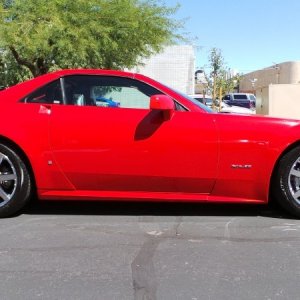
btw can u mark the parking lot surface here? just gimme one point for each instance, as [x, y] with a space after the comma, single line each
[149, 251]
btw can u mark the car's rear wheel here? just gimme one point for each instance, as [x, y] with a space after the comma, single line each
[286, 184]
[15, 182]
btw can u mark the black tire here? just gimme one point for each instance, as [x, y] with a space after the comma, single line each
[15, 182]
[286, 183]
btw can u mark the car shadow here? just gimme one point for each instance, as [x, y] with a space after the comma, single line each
[153, 208]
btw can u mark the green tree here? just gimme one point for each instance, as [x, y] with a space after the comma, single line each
[38, 36]
[217, 65]
[10, 72]
[231, 82]
[220, 81]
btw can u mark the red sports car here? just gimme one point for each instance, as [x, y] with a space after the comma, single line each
[59, 142]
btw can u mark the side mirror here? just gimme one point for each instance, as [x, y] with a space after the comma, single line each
[163, 103]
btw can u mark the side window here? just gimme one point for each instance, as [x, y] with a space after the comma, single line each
[50, 94]
[107, 91]
[240, 97]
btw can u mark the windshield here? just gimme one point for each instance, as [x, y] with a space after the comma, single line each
[201, 105]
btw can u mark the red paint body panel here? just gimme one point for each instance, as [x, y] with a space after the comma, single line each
[135, 150]
[92, 153]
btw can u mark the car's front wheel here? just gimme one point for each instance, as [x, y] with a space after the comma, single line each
[15, 182]
[286, 184]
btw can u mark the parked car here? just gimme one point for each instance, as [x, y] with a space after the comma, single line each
[225, 108]
[207, 100]
[240, 99]
[158, 145]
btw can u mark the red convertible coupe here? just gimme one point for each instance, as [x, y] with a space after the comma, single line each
[106, 135]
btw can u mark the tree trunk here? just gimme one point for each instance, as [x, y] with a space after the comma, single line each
[36, 69]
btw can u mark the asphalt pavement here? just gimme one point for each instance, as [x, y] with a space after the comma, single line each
[149, 251]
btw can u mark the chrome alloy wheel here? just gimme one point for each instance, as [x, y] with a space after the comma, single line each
[8, 180]
[294, 180]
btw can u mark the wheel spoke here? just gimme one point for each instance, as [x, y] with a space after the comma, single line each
[8, 180]
[297, 194]
[5, 197]
[14, 181]
[295, 173]
[6, 177]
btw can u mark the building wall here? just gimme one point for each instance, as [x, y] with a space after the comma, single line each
[175, 67]
[279, 100]
[283, 73]
[262, 101]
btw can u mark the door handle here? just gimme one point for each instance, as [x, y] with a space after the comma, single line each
[45, 109]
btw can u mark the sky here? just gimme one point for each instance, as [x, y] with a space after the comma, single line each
[251, 34]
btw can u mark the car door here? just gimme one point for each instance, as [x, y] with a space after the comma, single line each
[107, 139]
